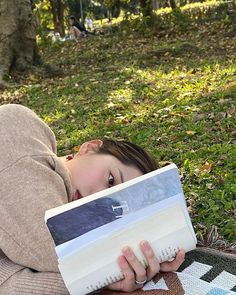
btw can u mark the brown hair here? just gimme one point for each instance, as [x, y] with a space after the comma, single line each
[129, 154]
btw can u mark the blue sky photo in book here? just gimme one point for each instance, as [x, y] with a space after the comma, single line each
[84, 218]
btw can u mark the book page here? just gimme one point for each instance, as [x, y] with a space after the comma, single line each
[110, 273]
[104, 231]
[167, 231]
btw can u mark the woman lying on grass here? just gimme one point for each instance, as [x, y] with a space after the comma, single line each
[34, 179]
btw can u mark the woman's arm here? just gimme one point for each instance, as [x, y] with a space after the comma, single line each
[25, 281]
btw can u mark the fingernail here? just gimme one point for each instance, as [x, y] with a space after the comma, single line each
[182, 253]
[145, 246]
[127, 251]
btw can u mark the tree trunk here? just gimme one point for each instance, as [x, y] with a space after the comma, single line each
[155, 4]
[172, 4]
[18, 48]
[146, 7]
[58, 16]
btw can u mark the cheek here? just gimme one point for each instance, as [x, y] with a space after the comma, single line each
[98, 183]
[95, 177]
[91, 180]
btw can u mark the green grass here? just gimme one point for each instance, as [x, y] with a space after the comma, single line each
[173, 92]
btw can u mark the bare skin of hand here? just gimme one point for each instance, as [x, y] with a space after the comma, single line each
[133, 269]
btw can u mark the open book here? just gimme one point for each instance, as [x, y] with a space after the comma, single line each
[89, 233]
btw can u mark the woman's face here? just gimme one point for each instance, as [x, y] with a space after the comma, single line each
[92, 172]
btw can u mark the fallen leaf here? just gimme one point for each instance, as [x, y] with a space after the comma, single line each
[163, 163]
[206, 167]
[191, 132]
[76, 148]
[233, 134]
[210, 186]
[231, 111]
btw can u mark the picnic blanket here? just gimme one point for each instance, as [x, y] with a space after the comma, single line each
[204, 272]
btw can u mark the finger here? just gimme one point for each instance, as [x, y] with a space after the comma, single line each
[175, 264]
[129, 276]
[138, 268]
[128, 283]
[153, 263]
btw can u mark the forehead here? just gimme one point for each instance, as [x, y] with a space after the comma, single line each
[116, 166]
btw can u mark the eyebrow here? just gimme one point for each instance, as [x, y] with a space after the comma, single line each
[121, 175]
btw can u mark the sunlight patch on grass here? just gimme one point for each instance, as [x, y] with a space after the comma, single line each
[120, 96]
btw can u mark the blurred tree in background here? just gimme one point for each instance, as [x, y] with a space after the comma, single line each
[18, 48]
[57, 9]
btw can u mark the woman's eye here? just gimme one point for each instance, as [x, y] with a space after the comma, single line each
[111, 180]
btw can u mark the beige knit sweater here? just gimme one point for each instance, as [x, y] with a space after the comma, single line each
[32, 180]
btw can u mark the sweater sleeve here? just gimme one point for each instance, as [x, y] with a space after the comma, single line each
[23, 133]
[32, 180]
[24, 281]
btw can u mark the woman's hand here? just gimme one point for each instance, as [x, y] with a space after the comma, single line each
[135, 274]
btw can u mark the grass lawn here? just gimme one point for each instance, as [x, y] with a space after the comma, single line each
[171, 91]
